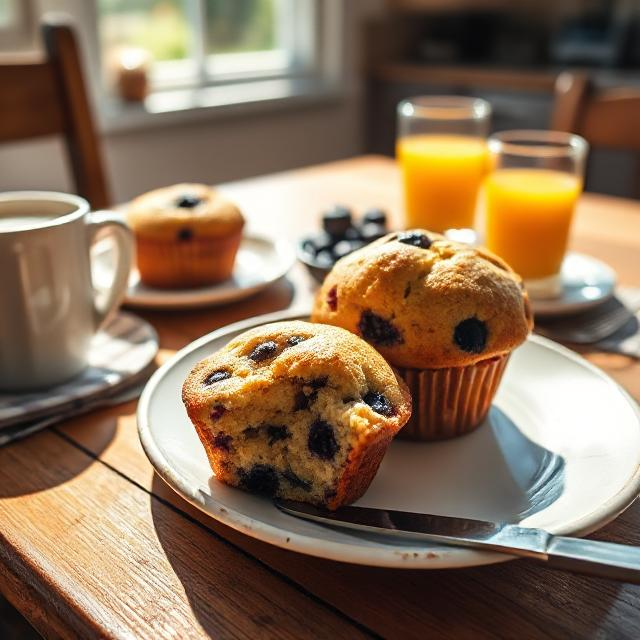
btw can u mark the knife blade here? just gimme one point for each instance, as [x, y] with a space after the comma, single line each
[592, 557]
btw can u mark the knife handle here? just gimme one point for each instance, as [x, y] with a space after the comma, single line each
[593, 557]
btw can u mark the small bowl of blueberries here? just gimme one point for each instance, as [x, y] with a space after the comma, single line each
[341, 235]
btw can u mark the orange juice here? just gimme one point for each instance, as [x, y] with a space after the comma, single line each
[441, 175]
[529, 214]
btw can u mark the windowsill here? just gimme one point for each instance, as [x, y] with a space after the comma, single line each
[187, 105]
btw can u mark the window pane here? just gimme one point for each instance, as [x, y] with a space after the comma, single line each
[6, 12]
[237, 26]
[159, 26]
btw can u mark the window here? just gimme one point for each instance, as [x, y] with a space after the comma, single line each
[16, 25]
[207, 42]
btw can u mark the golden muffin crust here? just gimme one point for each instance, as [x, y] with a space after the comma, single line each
[426, 302]
[296, 410]
[194, 209]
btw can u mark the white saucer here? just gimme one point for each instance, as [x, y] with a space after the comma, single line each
[120, 353]
[586, 282]
[560, 450]
[259, 263]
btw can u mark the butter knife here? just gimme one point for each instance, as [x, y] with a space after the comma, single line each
[592, 557]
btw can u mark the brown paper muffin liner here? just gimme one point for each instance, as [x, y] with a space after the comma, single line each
[188, 263]
[452, 401]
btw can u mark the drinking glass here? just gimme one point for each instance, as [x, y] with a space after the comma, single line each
[442, 151]
[531, 192]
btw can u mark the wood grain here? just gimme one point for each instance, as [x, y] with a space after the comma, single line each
[117, 551]
[110, 560]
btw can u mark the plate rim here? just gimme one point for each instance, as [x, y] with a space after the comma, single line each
[206, 296]
[394, 557]
[544, 308]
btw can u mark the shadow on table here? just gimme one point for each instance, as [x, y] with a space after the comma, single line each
[514, 599]
[50, 458]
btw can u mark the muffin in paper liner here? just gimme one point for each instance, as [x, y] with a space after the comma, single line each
[451, 401]
[189, 263]
[187, 235]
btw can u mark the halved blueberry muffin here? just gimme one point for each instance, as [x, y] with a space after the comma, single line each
[297, 410]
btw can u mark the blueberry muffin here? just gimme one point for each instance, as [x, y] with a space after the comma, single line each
[445, 314]
[297, 410]
[186, 235]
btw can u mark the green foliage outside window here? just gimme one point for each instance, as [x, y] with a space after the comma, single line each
[162, 27]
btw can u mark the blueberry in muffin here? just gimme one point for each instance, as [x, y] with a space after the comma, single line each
[297, 410]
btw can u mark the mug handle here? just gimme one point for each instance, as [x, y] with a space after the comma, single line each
[111, 224]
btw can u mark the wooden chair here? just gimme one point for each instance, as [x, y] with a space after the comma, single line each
[48, 97]
[606, 118]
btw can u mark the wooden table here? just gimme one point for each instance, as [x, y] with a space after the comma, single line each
[92, 543]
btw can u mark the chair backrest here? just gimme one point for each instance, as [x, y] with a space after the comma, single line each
[606, 118]
[47, 97]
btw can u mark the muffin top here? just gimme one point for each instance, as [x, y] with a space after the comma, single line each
[184, 208]
[427, 302]
[316, 368]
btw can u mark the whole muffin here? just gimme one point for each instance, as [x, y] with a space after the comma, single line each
[446, 315]
[186, 235]
[296, 410]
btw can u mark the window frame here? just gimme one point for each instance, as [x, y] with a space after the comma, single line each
[199, 69]
[323, 81]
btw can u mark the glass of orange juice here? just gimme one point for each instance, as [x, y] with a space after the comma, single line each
[531, 192]
[441, 147]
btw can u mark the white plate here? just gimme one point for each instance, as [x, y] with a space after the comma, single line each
[259, 263]
[560, 450]
[586, 282]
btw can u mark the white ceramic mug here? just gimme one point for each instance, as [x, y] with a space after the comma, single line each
[49, 307]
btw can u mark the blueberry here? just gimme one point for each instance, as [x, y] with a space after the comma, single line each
[261, 478]
[378, 330]
[295, 481]
[184, 235]
[322, 241]
[222, 441]
[319, 383]
[294, 340]
[324, 259]
[336, 221]
[415, 239]
[352, 233]
[322, 440]
[301, 401]
[379, 403]
[277, 432]
[332, 298]
[251, 433]
[375, 215]
[471, 335]
[218, 411]
[264, 351]
[372, 231]
[309, 246]
[188, 201]
[345, 247]
[312, 245]
[216, 376]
